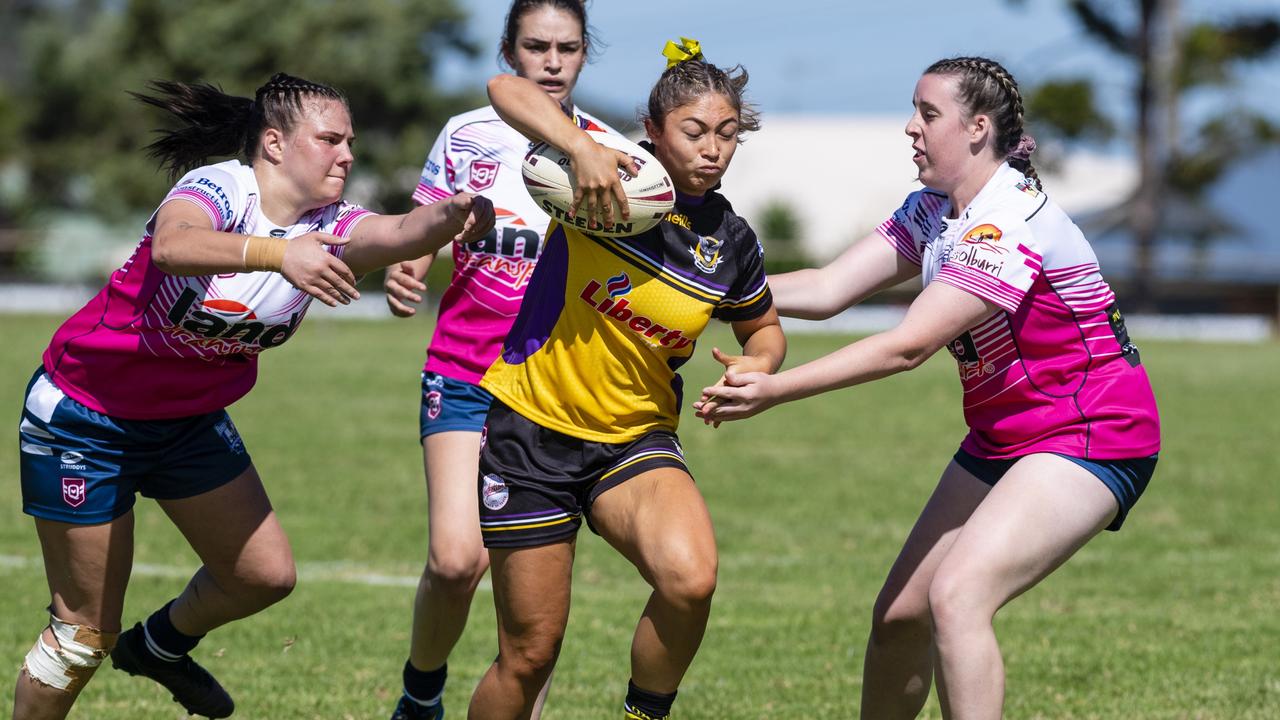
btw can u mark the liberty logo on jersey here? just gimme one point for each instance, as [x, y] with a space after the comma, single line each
[619, 311]
[221, 324]
[617, 285]
[483, 174]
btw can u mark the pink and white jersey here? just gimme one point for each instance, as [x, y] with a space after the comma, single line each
[478, 152]
[1053, 370]
[153, 346]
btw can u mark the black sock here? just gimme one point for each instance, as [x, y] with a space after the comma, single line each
[424, 686]
[163, 640]
[656, 704]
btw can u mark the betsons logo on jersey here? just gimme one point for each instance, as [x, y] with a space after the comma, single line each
[227, 325]
[617, 308]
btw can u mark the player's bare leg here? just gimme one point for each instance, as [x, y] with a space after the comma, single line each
[531, 590]
[659, 521]
[248, 564]
[1039, 514]
[898, 670]
[87, 567]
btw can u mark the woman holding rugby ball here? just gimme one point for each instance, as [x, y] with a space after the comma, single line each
[548, 42]
[1063, 427]
[131, 394]
[587, 398]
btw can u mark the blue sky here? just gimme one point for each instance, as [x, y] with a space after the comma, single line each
[840, 57]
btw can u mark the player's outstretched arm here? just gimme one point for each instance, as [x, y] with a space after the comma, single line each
[381, 240]
[938, 315]
[864, 269]
[527, 108]
[184, 242]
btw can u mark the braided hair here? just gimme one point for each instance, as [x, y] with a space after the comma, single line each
[215, 124]
[986, 88]
[689, 80]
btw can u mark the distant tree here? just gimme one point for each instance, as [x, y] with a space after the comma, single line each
[1170, 60]
[780, 231]
[81, 134]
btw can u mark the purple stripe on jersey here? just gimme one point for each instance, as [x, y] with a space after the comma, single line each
[198, 198]
[751, 295]
[518, 516]
[655, 257]
[544, 301]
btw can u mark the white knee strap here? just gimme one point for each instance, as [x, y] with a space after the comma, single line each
[68, 667]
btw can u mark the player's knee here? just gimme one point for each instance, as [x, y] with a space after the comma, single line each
[271, 583]
[457, 573]
[66, 655]
[530, 658]
[689, 582]
[957, 601]
[896, 619]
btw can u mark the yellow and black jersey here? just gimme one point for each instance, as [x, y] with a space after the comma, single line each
[606, 322]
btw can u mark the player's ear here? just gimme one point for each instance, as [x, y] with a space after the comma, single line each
[979, 127]
[271, 145]
[652, 129]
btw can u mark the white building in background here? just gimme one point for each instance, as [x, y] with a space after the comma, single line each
[843, 175]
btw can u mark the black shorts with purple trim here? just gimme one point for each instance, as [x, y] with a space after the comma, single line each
[536, 485]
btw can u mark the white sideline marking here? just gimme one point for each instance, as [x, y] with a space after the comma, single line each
[336, 572]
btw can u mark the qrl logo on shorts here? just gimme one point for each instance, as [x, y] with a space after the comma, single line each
[483, 174]
[494, 492]
[433, 405]
[73, 491]
[230, 436]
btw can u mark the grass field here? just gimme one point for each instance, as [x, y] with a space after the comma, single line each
[1177, 616]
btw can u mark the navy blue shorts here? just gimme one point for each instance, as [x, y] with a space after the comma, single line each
[449, 404]
[1126, 479]
[536, 484]
[80, 466]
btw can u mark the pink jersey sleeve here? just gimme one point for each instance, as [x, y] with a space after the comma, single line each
[914, 223]
[213, 190]
[996, 260]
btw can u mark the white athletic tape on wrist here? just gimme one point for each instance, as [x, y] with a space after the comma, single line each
[68, 667]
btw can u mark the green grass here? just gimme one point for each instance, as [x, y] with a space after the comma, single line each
[1175, 617]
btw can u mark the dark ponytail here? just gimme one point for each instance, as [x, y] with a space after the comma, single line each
[987, 88]
[215, 124]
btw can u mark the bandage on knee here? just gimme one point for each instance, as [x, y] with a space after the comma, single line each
[81, 649]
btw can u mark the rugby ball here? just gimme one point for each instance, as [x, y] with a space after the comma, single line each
[650, 194]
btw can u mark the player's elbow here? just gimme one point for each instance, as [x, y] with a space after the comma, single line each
[909, 352]
[162, 252]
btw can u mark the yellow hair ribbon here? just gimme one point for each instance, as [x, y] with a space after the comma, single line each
[686, 49]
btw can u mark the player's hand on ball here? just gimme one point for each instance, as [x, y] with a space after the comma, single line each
[597, 189]
[474, 212]
[315, 271]
[402, 289]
